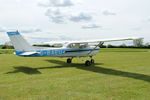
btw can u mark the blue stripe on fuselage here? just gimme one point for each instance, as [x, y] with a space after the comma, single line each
[52, 52]
[55, 52]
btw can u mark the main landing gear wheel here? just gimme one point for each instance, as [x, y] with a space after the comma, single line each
[69, 60]
[87, 63]
[92, 61]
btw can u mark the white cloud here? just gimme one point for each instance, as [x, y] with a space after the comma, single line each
[137, 28]
[107, 13]
[18, 1]
[46, 37]
[2, 29]
[148, 19]
[56, 3]
[62, 3]
[60, 17]
[91, 26]
[30, 30]
[81, 17]
[55, 15]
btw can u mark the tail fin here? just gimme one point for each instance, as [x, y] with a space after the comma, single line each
[19, 43]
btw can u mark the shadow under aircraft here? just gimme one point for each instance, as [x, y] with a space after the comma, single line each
[92, 68]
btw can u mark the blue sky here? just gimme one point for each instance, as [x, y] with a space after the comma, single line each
[46, 20]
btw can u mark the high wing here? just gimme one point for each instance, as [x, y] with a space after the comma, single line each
[92, 41]
[104, 40]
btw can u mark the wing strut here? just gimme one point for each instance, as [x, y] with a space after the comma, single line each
[100, 43]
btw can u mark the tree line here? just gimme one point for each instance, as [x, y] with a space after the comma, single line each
[124, 46]
[147, 45]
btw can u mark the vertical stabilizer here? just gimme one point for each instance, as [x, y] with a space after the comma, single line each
[19, 43]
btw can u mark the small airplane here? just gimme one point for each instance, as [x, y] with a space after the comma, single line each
[70, 49]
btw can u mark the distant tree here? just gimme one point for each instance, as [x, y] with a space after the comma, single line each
[147, 45]
[4, 47]
[123, 45]
[138, 42]
[110, 46]
[7, 45]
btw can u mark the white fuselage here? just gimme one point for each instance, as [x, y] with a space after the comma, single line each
[62, 52]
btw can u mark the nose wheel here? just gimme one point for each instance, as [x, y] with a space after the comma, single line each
[69, 60]
[88, 63]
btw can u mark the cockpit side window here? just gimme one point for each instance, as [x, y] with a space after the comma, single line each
[83, 46]
[77, 45]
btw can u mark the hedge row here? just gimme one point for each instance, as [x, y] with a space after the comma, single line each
[125, 46]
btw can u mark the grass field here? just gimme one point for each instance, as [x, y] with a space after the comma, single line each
[6, 51]
[118, 74]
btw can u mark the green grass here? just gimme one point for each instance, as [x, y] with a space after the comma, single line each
[7, 51]
[118, 74]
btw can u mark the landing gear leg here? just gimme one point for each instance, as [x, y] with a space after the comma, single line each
[92, 60]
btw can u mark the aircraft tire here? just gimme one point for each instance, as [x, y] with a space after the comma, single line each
[69, 60]
[87, 63]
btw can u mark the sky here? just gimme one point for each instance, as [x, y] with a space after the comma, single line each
[49, 20]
